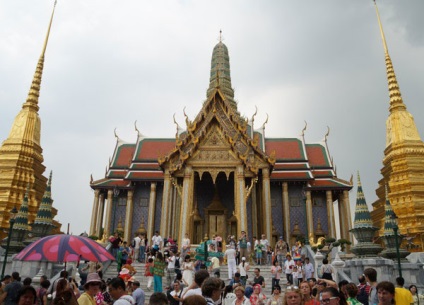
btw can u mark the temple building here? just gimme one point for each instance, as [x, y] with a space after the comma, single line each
[21, 158]
[403, 165]
[221, 175]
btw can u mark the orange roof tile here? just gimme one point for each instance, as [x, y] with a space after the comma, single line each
[285, 149]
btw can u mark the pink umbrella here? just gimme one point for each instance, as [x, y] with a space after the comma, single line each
[64, 248]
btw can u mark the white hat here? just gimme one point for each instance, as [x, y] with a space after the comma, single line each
[243, 258]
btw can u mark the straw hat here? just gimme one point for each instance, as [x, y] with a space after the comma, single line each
[92, 278]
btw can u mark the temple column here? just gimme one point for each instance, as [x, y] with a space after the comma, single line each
[286, 211]
[100, 213]
[347, 216]
[128, 217]
[330, 215]
[341, 217]
[266, 188]
[309, 218]
[108, 218]
[241, 200]
[254, 215]
[165, 205]
[186, 202]
[94, 213]
[151, 216]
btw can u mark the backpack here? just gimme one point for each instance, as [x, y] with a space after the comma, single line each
[133, 243]
[362, 295]
[177, 263]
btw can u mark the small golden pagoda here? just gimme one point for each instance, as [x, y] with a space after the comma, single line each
[21, 156]
[403, 164]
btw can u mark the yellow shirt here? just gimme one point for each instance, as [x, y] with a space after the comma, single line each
[86, 299]
[403, 296]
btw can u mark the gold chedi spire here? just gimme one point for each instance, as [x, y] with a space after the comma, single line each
[400, 125]
[21, 153]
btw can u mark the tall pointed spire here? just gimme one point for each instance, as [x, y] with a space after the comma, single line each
[390, 217]
[220, 75]
[21, 155]
[362, 214]
[21, 220]
[44, 214]
[400, 124]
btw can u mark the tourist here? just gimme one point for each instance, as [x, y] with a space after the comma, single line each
[257, 297]
[352, 293]
[215, 268]
[327, 270]
[276, 271]
[258, 253]
[243, 267]
[402, 295]
[281, 251]
[211, 290]
[64, 291]
[415, 295]
[241, 299]
[242, 244]
[11, 290]
[148, 268]
[125, 253]
[42, 292]
[371, 277]
[116, 242]
[93, 267]
[288, 269]
[138, 294]
[158, 272]
[265, 245]
[258, 278]
[142, 250]
[194, 300]
[292, 296]
[176, 294]
[107, 299]
[118, 292]
[195, 287]
[306, 292]
[386, 293]
[331, 296]
[308, 269]
[135, 244]
[363, 290]
[300, 272]
[156, 242]
[276, 297]
[230, 254]
[26, 295]
[236, 281]
[185, 245]
[342, 287]
[188, 268]
[229, 296]
[170, 272]
[91, 289]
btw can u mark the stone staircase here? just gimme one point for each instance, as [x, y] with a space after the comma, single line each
[111, 272]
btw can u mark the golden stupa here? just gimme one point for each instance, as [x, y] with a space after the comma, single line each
[403, 165]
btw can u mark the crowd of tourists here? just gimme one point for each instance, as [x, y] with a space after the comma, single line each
[189, 281]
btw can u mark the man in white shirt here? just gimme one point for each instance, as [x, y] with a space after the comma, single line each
[230, 254]
[196, 287]
[265, 246]
[171, 268]
[136, 244]
[156, 242]
[309, 269]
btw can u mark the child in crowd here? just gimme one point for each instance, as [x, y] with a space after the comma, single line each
[148, 273]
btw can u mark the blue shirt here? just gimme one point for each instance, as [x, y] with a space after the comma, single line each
[139, 296]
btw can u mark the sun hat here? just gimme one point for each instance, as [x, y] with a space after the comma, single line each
[92, 278]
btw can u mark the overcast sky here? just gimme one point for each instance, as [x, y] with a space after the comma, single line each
[110, 63]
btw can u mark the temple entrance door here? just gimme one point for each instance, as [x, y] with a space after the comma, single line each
[216, 225]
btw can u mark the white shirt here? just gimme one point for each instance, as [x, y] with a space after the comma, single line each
[157, 240]
[287, 264]
[265, 243]
[171, 262]
[195, 291]
[230, 254]
[137, 242]
[309, 269]
[242, 269]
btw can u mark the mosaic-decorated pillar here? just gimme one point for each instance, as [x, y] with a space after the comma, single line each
[128, 217]
[347, 216]
[330, 215]
[341, 215]
[241, 200]
[254, 215]
[108, 218]
[266, 189]
[100, 213]
[94, 213]
[309, 218]
[151, 216]
[186, 202]
[165, 204]
[286, 212]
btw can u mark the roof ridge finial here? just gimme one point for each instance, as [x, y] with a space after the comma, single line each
[220, 35]
[34, 92]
